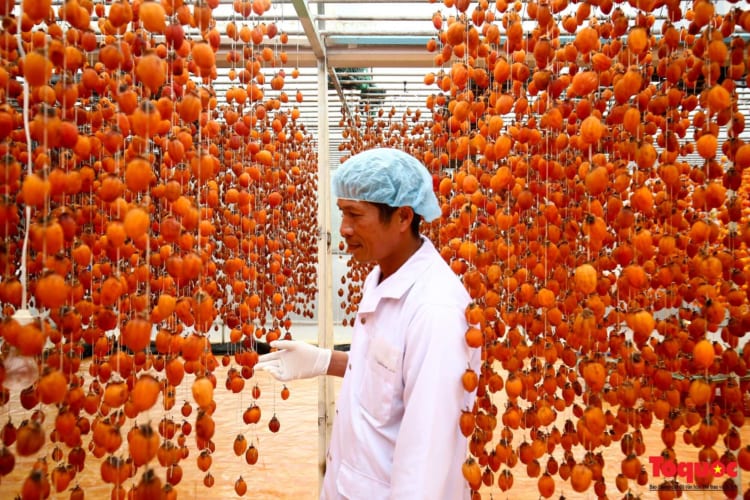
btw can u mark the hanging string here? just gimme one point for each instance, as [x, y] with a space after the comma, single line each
[29, 169]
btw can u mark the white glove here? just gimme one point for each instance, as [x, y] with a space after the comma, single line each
[294, 360]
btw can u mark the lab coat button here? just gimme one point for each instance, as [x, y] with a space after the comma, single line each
[363, 320]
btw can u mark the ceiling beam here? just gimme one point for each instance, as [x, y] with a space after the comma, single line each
[308, 26]
[354, 56]
[319, 49]
[380, 57]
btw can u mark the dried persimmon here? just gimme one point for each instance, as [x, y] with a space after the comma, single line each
[29, 438]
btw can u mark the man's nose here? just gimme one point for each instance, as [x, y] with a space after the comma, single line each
[345, 229]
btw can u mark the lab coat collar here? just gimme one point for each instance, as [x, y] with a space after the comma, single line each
[397, 284]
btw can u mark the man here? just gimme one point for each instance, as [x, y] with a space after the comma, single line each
[396, 432]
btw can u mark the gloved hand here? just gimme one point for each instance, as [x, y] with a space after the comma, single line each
[294, 360]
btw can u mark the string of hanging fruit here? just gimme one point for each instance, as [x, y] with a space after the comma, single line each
[141, 212]
[591, 161]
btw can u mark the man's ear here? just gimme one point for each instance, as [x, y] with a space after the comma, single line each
[405, 216]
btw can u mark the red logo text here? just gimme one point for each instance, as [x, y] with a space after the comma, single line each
[691, 470]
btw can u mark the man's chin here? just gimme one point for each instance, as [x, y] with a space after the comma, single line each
[358, 255]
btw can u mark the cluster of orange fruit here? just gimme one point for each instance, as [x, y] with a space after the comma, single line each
[155, 211]
[590, 162]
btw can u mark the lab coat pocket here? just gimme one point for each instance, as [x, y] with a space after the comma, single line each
[379, 383]
[354, 485]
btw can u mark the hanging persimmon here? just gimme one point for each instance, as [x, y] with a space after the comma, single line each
[703, 354]
[472, 473]
[153, 16]
[204, 425]
[151, 69]
[203, 390]
[143, 443]
[274, 425]
[30, 438]
[145, 392]
[52, 387]
[174, 474]
[251, 455]
[52, 291]
[240, 486]
[252, 414]
[136, 334]
[149, 486]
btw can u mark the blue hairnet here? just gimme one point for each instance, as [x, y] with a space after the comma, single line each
[388, 176]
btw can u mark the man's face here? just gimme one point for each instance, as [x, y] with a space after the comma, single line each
[367, 237]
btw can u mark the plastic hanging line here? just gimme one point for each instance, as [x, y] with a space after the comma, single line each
[22, 371]
[23, 313]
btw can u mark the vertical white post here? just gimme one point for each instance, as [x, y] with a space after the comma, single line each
[326, 403]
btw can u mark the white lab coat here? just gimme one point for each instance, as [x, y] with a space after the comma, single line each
[396, 432]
